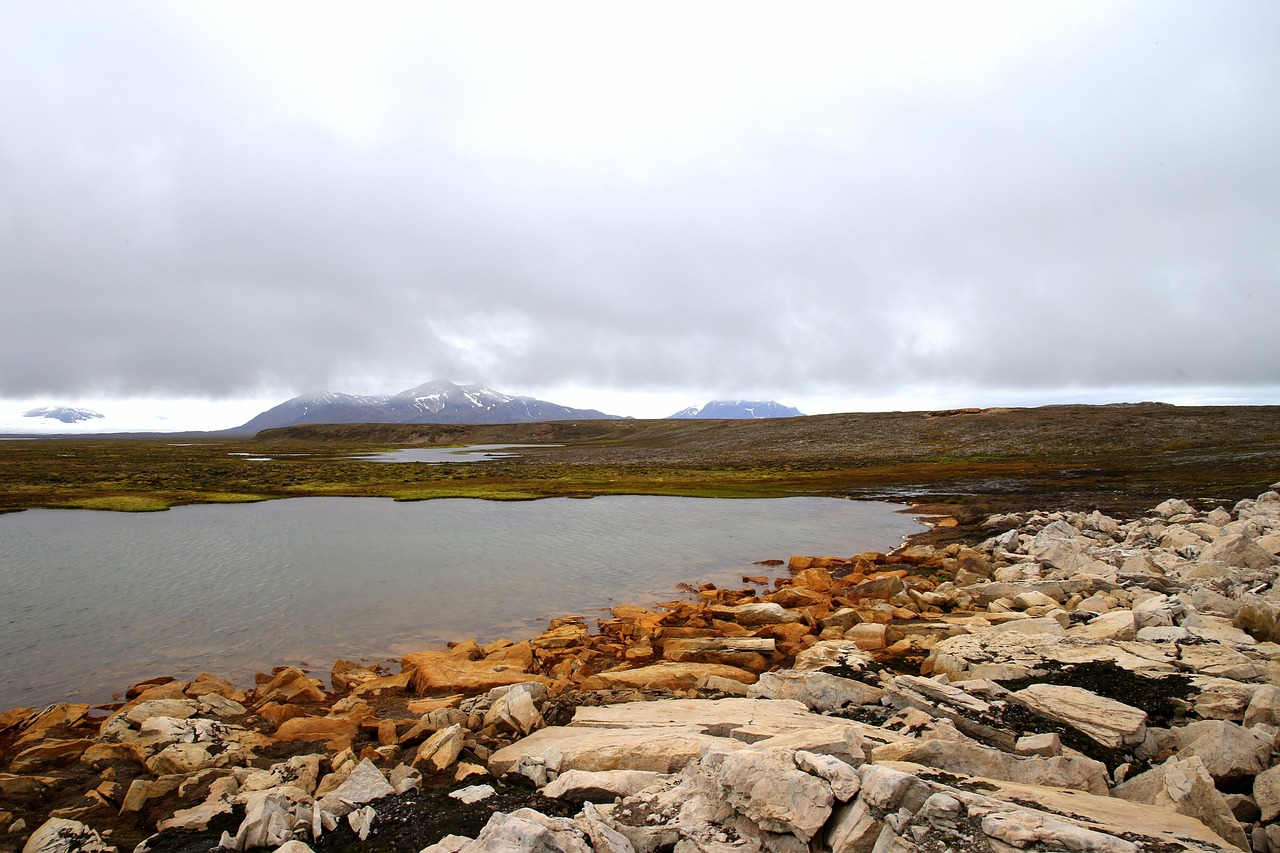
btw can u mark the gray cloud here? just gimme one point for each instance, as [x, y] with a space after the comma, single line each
[194, 201]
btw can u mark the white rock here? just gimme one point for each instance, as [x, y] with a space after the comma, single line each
[361, 821]
[767, 787]
[1264, 707]
[365, 785]
[1229, 752]
[473, 794]
[1112, 724]
[58, 835]
[1185, 786]
[844, 779]
[526, 829]
[819, 691]
[602, 786]
[1240, 551]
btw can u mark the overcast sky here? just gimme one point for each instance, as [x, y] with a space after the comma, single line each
[641, 207]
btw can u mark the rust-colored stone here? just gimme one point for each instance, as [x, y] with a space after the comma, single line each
[437, 672]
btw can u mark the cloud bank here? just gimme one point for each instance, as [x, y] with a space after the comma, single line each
[847, 203]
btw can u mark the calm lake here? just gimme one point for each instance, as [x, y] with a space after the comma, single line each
[91, 602]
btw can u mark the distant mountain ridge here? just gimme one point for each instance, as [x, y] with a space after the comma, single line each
[430, 403]
[66, 414]
[738, 410]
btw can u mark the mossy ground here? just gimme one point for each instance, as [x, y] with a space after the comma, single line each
[1121, 459]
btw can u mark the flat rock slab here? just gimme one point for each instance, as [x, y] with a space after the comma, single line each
[438, 672]
[1113, 724]
[718, 717]
[670, 675]
[657, 749]
[1111, 815]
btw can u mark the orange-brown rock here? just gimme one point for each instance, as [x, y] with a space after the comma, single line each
[422, 707]
[670, 676]
[729, 629]
[468, 649]
[166, 690]
[437, 672]
[137, 689]
[48, 752]
[347, 675]
[642, 650]
[101, 753]
[275, 713]
[562, 636]
[794, 597]
[206, 683]
[13, 717]
[516, 655]
[385, 682]
[759, 580]
[57, 718]
[745, 653]
[337, 733]
[799, 562]
[787, 636]
[290, 685]
[815, 578]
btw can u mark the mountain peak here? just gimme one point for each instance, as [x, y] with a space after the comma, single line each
[436, 402]
[739, 410]
[66, 414]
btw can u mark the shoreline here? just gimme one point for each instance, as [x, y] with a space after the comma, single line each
[571, 584]
[880, 621]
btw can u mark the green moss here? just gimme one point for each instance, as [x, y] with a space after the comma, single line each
[120, 503]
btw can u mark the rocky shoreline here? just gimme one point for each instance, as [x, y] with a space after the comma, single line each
[1075, 682]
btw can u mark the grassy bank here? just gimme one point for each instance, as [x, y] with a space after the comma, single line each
[1117, 458]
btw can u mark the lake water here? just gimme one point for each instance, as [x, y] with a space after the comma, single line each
[91, 602]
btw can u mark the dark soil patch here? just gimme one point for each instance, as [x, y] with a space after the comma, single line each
[405, 823]
[1157, 696]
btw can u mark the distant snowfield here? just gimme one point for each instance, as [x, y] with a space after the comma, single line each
[131, 415]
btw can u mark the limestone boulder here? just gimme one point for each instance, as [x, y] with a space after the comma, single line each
[1264, 706]
[1238, 550]
[1106, 721]
[819, 691]
[659, 750]
[768, 788]
[974, 759]
[600, 787]
[526, 829]
[1185, 786]
[670, 675]
[1230, 752]
[59, 835]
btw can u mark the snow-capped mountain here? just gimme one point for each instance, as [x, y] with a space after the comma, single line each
[66, 414]
[429, 403]
[739, 410]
